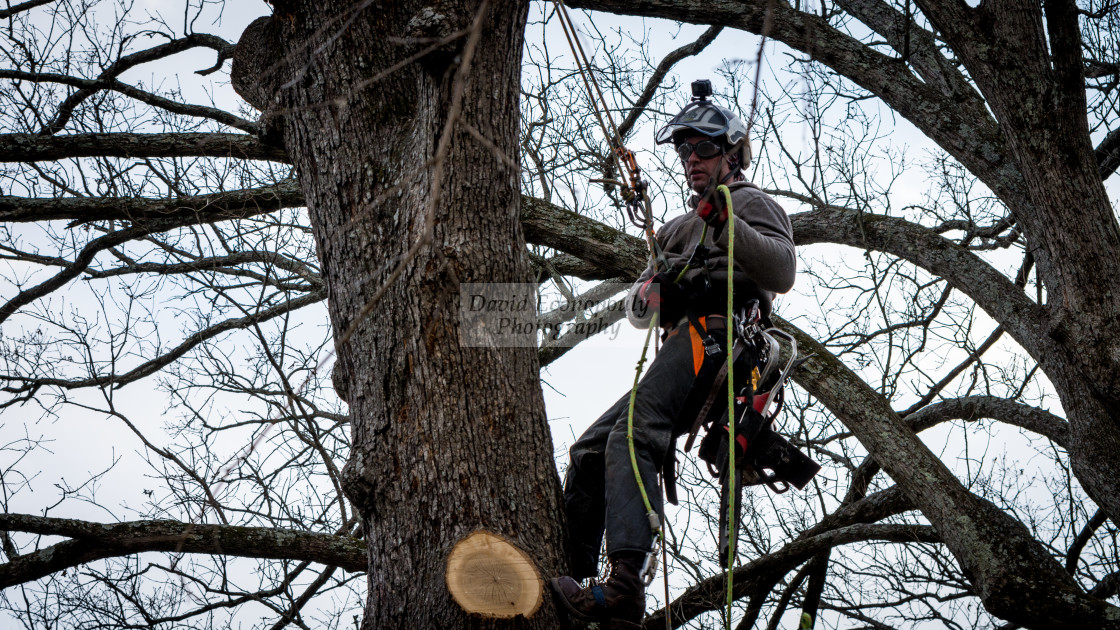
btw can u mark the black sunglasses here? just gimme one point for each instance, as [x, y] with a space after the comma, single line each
[704, 150]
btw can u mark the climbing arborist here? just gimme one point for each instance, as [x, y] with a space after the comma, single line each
[601, 491]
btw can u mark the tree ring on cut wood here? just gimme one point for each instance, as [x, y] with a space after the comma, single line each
[489, 576]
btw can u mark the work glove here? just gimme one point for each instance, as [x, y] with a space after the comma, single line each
[713, 209]
[661, 294]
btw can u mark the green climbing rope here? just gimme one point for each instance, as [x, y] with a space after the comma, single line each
[732, 494]
[655, 522]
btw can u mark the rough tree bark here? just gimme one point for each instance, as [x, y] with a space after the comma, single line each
[446, 439]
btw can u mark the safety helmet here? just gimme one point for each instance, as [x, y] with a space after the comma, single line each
[704, 117]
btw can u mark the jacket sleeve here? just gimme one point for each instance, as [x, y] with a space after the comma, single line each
[764, 248]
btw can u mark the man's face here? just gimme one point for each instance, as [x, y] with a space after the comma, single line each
[699, 171]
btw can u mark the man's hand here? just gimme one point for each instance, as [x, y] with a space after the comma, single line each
[714, 214]
[661, 294]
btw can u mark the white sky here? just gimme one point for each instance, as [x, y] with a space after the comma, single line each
[577, 387]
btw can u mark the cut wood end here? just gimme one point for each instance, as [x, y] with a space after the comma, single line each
[489, 576]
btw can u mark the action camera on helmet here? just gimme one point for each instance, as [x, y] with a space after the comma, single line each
[701, 89]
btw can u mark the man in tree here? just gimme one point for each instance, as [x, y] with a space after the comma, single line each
[601, 491]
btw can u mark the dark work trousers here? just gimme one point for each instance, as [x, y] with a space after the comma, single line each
[600, 490]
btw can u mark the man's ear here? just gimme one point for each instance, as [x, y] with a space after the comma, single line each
[732, 164]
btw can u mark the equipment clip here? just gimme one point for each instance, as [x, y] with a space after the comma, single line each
[649, 566]
[711, 346]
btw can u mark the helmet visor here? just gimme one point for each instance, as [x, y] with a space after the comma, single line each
[700, 117]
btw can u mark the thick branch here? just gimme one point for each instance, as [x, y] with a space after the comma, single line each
[1007, 411]
[1108, 154]
[1014, 576]
[1108, 587]
[21, 147]
[234, 204]
[568, 265]
[591, 241]
[96, 541]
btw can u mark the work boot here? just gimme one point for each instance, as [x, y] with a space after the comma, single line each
[619, 602]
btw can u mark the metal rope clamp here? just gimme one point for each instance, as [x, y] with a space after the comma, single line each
[649, 566]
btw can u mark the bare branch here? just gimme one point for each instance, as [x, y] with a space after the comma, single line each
[962, 269]
[973, 408]
[70, 271]
[158, 217]
[193, 40]
[96, 541]
[709, 594]
[1083, 537]
[663, 68]
[20, 147]
[952, 374]
[915, 45]
[95, 85]
[154, 365]
[225, 265]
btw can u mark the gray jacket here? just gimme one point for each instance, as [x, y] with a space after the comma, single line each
[765, 262]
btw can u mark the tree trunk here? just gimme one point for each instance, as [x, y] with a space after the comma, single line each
[447, 440]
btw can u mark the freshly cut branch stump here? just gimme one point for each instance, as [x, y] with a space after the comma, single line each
[488, 576]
